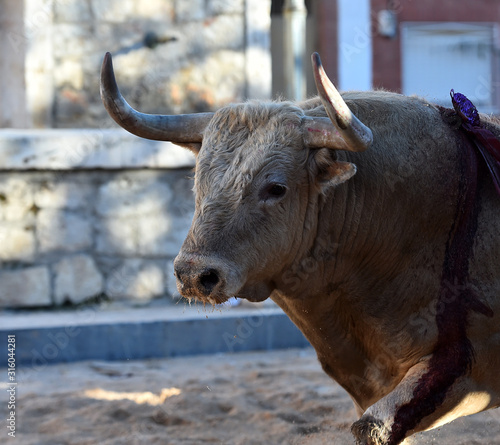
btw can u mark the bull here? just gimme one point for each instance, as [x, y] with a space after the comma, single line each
[370, 221]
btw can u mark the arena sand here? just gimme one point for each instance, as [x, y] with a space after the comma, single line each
[277, 397]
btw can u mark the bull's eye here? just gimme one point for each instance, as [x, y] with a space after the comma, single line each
[272, 191]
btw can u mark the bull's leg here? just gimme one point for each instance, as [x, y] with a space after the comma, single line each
[418, 403]
[378, 421]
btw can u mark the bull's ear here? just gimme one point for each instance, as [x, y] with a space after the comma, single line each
[338, 172]
[328, 171]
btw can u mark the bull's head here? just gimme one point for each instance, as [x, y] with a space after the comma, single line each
[259, 166]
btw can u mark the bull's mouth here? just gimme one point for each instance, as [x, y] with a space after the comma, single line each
[211, 279]
[254, 293]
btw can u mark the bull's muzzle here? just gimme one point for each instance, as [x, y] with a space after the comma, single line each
[203, 278]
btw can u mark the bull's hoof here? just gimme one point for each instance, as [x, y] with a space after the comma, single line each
[370, 431]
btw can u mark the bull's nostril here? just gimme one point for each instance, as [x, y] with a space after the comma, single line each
[209, 279]
[178, 276]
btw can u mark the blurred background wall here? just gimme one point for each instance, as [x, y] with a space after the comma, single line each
[87, 210]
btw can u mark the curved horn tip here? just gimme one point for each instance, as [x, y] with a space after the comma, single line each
[109, 87]
[316, 60]
[107, 62]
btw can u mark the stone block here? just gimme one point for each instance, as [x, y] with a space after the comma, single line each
[25, 288]
[212, 83]
[224, 32]
[226, 88]
[64, 195]
[74, 40]
[161, 234]
[136, 279]
[162, 10]
[152, 234]
[127, 197]
[76, 279]
[17, 211]
[65, 231]
[117, 236]
[84, 149]
[18, 242]
[69, 73]
[70, 105]
[16, 199]
[189, 10]
[216, 7]
[115, 11]
[72, 11]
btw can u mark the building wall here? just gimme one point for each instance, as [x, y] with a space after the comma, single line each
[90, 213]
[95, 211]
[70, 236]
[206, 53]
[387, 51]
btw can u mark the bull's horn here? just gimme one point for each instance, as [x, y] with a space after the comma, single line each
[183, 128]
[351, 133]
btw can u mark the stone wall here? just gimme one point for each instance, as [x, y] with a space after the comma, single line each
[67, 235]
[199, 66]
[170, 56]
[95, 211]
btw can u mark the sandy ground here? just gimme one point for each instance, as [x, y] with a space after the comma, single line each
[278, 397]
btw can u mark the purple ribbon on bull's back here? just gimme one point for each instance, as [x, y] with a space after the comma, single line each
[484, 140]
[453, 353]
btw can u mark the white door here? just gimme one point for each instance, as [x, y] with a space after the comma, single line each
[437, 57]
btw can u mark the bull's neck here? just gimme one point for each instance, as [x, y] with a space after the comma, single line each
[342, 286]
[353, 238]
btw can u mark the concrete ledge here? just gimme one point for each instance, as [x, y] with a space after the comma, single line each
[44, 338]
[70, 149]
